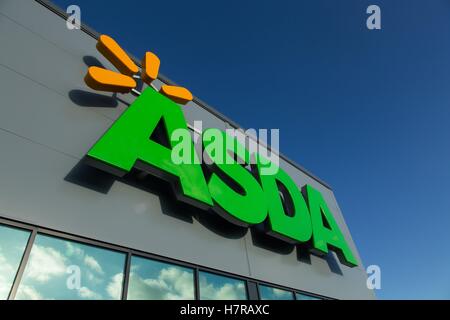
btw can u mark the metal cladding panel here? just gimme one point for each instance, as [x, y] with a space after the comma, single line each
[48, 121]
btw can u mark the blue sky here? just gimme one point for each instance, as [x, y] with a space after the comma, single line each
[367, 111]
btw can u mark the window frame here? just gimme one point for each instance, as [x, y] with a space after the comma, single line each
[225, 275]
[175, 264]
[62, 237]
[35, 230]
[26, 252]
[293, 293]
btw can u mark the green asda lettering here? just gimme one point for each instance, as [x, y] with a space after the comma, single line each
[243, 197]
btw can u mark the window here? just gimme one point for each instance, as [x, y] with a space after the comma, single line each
[215, 287]
[271, 293]
[12, 246]
[154, 280]
[61, 269]
[302, 296]
[57, 268]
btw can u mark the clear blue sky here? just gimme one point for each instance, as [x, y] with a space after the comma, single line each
[367, 111]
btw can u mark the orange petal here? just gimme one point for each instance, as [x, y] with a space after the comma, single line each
[150, 67]
[111, 50]
[106, 80]
[177, 94]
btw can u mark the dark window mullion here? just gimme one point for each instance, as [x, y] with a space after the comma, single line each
[196, 284]
[23, 264]
[126, 276]
[252, 290]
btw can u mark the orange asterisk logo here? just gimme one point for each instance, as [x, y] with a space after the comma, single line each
[106, 80]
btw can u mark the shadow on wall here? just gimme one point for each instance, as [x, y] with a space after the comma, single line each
[90, 99]
[98, 180]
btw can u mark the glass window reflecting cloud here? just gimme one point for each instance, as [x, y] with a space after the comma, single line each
[54, 265]
[301, 296]
[12, 246]
[271, 293]
[154, 280]
[216, 287]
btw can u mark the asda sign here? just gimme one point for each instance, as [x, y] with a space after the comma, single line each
[238, 184]
[243, 196]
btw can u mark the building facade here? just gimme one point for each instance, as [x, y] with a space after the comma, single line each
[71, 231]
